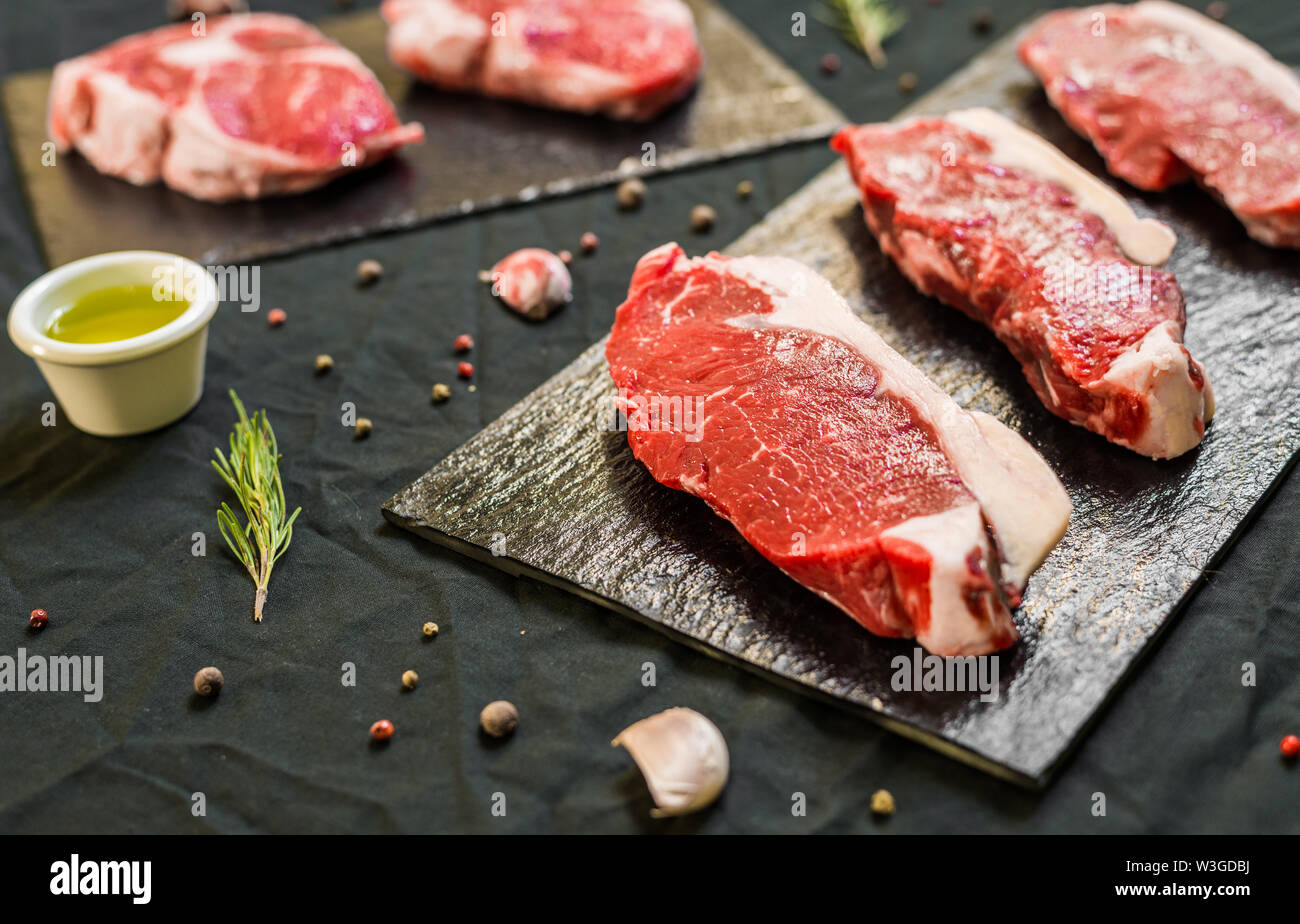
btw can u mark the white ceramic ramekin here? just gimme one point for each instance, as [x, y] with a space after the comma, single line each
[127, 386]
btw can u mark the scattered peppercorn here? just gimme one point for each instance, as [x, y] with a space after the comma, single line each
[906, 82]
[830, 63]
[1290, 746]
[276, 316]
[208, 682]
[744, 189]
[463, 344]
[631, 193]
[369, 271]
[566, 256]
[430, 629]
[1217, 11]
[702, 218]
[382, 730]
[465, 370]
[410, 680]
[39, 619]
[499, 718]
[588, 242]
[363, 427]
[882, 802]
[982, 21]
[324, 363]
[441, 393]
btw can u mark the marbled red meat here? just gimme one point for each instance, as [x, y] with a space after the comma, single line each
[834, 457]
[628, 59]
[1098, 335]
[256, 105]
[1166, 95]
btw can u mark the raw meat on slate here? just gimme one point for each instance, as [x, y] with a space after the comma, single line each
[993, 220]
[627, 59]
[749, 383]
[1166, 94]
[260, 105]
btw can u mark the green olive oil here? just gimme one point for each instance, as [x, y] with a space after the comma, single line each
[114, 313]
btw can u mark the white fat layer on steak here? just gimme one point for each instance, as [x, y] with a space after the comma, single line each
[1020, 497]
[1143, 240]
[1226, 47]
[952, 630]
[1158, 368]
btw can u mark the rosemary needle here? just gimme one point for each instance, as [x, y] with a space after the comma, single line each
[868, 24]
[253, 472]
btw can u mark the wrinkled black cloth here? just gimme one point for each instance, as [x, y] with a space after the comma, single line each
[100, 534]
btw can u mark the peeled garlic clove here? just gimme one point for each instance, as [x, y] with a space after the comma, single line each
[683, 758]
[532, 281]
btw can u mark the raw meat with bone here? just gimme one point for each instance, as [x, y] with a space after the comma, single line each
[627, 59]
[1165, 94]
[831, 454]
[261, 104]
[993, 220]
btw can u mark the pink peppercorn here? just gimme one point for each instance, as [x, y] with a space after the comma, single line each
[382, 730]
[465, 370]
[1290, 746]
[589, 242]
[463, 344]
[276, 316]
[38, 619]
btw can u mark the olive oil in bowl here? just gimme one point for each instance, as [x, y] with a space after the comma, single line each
[114, 313]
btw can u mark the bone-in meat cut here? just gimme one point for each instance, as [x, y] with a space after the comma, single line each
[248, 106]
[626, 59]
[1166, 94]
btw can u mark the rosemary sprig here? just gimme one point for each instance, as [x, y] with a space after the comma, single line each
[253, 473]
[868, 24]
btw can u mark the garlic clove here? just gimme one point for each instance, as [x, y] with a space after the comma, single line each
[683, 758]
[532, 281]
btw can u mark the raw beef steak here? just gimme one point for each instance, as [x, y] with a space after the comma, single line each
[749, 383]
[1166, 94]
[627, 59]
[260, 105]
[993, 220]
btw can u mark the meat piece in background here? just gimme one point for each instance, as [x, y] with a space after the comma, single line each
[626, 59]
[253, 105]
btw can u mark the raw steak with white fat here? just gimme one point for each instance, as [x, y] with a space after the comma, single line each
[993, 220]
[749, 383]
[260, 105]
[1166, 94]
[627, 59]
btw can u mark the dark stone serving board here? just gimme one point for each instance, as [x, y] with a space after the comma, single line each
[573, 507]
[477, 154]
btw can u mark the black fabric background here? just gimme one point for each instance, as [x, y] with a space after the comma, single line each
[98, 533]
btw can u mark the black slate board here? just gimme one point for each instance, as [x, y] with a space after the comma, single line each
[564, 500]
[478, 154]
